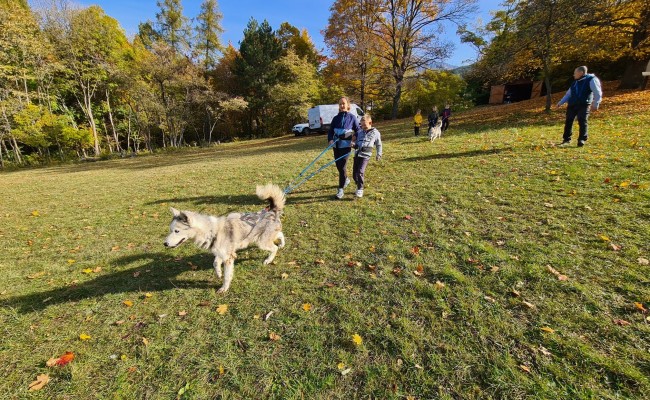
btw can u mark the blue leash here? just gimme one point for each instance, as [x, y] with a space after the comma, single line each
[291, 187]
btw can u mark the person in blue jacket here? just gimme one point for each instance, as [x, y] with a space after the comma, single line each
[343, 131]
[584, 94]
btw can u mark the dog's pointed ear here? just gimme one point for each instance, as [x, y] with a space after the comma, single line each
[175, 212]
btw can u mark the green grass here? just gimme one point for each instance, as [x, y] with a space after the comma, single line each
[492, 204]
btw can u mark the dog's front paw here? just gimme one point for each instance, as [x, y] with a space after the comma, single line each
[267, 261]
[222, 290]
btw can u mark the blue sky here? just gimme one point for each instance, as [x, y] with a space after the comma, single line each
[309, 14]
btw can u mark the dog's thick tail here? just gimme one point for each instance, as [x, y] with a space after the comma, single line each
[273, 194]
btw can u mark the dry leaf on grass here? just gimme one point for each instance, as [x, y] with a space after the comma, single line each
[84, 336]
[524, 368]
[529, 305]
[284, 275]
[182, 313]
[557, 274]
[614, 247]
[222, 309]
[128, 303]
[643, 261]
[621, 322]
[274, 336]
[439, 285]
[61, 361]
[306, 307]
[419, 271]
[547, 329]
[41, 380]
[640, 307]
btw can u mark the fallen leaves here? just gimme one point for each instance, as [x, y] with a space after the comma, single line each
[222, 309]
[557, 274]
[61, 361]
[84, 336]
[419, 270]
[524, 368]
[41, 380]
[439, 285]
[274, 336]
[622, 322]
[548, 330]
[614, 247]
[182, 313]
[640, 307]
[128, 303]
[643, 261]
[356, 339]
[306, 307]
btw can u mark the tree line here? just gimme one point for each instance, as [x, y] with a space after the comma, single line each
[73, 85]
[546, 39]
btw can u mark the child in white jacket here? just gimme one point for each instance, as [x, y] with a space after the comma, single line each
[366, 140]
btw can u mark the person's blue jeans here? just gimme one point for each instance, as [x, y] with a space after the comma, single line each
[580, 111]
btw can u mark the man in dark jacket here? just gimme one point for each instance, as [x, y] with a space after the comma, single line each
[584, 94]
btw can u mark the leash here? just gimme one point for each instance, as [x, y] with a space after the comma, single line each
[293, 186]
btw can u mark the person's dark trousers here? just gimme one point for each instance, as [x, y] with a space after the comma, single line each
[582, 113]
[358, 170]
[445, 124]
[417, 130]
[341, 164]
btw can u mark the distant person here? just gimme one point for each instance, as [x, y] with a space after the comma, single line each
[433, 118]
[417, 121]
[584, 94]
[366, 140]
[344, 126]
[446, 114]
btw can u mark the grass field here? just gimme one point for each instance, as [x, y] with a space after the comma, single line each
[442, 269]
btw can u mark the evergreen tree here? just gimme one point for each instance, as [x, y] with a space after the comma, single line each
[208, 31]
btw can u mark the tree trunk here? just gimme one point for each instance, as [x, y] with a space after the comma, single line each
[396, 98]
[632, 78]
[2, 160]
[16, 149]
[110, 118]
[88, 110]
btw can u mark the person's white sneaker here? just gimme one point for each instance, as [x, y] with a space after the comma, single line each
[339, 194]
[359, 193]
[347, 182]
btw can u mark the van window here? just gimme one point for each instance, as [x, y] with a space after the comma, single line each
[359, 112]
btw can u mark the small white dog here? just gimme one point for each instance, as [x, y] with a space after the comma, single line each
[224, 235]
[436, 131]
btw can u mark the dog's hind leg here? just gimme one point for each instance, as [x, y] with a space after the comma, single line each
[228, 272]
[280, 236]
[217, 266]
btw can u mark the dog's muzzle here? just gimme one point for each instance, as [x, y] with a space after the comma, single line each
[176, 245]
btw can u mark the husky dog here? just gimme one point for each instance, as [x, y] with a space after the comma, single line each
[436, 131]
[224, 235]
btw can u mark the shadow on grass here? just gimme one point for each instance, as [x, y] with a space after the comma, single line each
[234, 200]
[157, 273]
[473, 153]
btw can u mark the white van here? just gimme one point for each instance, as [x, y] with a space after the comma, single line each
[320, 117]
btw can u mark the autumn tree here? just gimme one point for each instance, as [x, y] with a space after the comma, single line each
[618, 29]
[349, 36]
[208, 29]
[173, 26]
[298, 41]
[408, 34]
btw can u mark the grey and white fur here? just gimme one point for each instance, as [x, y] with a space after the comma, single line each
[224, 235]
[435, 131]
